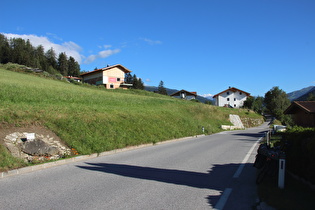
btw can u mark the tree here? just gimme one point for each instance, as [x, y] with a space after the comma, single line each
[311, 97]
[258, 105]
[40, 54]
[140, 84]
[255, 103]
[162, 89]
[17, 50]
[73, 67]
[29, 56]
[128, 78]
[51, 58]
[248, 103]
[5, 49]
[136, 82]
[63, 64]
[276, 102]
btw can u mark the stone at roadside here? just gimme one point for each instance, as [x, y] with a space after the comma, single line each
[39, 148]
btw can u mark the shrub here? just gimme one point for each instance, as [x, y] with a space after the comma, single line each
[300, 152]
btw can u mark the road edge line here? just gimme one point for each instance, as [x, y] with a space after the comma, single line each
[241, 166]
[223, 199]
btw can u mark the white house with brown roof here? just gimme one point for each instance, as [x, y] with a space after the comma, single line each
[111, 77]
[231, 97]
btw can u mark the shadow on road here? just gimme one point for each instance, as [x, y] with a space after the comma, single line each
[256, 135]
[218, 178]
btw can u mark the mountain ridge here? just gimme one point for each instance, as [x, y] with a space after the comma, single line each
[302, 94]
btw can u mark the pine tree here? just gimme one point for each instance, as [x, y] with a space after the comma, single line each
[5, 49]
[128, 78]
[135, 82]
[140, 84]
[40, 54]
[73, 67]
[162, 89]
[29, 54]
[17, 50]
[63, 64]
[51, 58]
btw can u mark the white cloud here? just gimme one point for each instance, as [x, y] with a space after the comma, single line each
[70, 48]
[207, 95]
[107, 46]
[101, 54]
[151, 42]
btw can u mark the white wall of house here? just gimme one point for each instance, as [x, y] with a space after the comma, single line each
[234, 99]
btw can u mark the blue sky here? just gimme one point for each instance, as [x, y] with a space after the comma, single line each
[196, 45]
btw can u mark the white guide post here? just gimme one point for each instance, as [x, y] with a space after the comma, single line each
[281, 175]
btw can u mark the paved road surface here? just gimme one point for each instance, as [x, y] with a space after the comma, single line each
[200, 173]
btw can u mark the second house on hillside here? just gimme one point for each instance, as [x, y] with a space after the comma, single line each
[183, 94]
[111, 77]
[231, 97]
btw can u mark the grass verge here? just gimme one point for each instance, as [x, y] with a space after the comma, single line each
[295, 195]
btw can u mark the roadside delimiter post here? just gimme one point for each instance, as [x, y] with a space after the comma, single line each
[281, 175]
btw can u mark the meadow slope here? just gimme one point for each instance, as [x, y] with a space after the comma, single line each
[93, 119]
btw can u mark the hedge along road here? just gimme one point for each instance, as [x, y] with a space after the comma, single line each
[207, 172]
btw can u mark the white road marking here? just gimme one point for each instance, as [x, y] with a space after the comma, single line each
[224, 197]
[226, 193]
[240, 168]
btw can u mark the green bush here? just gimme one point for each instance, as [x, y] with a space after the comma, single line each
[300, 152]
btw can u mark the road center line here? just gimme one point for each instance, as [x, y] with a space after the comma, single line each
[240, 168]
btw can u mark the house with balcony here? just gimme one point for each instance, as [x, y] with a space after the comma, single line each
[112, 77]
[231, 97]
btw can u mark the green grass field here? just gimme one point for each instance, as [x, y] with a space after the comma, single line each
[94, 120]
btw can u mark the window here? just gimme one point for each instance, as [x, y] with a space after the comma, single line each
[111, 86]
[240, 93]
[118, 79]
[234, 99]
[228, 93]
[228, 99]
[234, 105]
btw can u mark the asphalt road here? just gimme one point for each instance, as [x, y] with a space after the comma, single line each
[199, 173]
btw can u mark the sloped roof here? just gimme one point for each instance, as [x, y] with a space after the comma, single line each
[307, 106]
[233, 89]
[71, 77]
[108, 68]
[187, 93]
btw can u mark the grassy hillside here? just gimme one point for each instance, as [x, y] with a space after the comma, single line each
[95, 120]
